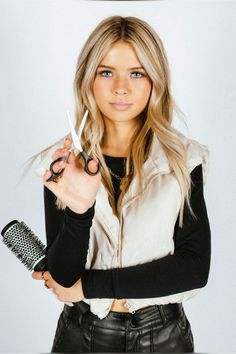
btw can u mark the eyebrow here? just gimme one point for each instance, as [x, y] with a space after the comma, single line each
[111, 67]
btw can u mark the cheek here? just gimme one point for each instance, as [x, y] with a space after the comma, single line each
[96, 89]
[143, 93]
[99, 89]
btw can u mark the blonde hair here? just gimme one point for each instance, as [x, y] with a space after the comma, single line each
[156, 118]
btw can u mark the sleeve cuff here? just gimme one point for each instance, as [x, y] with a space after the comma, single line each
[97, 283]
[81, 216]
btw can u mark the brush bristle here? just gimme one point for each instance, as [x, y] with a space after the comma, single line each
[24, 244]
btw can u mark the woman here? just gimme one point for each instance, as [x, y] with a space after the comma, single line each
[127, 246]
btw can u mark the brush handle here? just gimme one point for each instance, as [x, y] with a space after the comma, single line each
[41, 265]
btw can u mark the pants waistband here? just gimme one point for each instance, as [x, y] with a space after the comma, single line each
[162, 312]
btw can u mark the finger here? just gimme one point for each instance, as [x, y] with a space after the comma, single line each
[67, 142]
[93, 165]
[49, 283]
[78, 161]
[51, 185]
[72, 158]
[46, 176]
[47, 275]
[46, 285]
[59, 152]
[37, 275]
[58, 166]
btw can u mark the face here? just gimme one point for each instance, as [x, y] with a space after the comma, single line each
[121, 87]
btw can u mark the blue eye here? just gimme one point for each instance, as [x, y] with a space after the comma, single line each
[138, 72]
[134, 72]
[104, 71]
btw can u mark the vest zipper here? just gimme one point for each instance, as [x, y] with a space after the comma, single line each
[119, 240]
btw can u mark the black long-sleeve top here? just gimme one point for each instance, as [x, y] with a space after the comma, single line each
[188, 268]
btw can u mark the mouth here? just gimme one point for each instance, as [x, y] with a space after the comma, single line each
[120, 106]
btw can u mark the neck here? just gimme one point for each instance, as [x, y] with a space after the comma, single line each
[117, 137]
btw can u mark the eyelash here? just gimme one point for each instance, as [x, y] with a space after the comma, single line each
[108, 71]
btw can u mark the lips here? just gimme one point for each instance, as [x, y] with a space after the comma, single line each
[120, 106]
[120, 103]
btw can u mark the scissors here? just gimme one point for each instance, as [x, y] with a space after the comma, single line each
[76, 141]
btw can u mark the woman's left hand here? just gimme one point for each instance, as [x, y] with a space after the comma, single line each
[72, 294]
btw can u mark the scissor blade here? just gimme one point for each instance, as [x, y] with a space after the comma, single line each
[74, 135]
[82, 124]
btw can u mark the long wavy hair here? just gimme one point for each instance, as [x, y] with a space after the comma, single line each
[156, 119]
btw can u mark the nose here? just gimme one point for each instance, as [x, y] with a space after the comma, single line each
[121, 87]
[120, 92]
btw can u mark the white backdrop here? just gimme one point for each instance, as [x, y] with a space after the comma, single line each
[40, 42]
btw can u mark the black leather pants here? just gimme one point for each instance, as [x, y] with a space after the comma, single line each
[158, 328]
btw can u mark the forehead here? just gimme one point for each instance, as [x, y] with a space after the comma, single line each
[120, 54]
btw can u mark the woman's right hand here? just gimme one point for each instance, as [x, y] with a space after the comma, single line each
[75, 188]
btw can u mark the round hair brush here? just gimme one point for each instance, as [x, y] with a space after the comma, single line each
[18, 237]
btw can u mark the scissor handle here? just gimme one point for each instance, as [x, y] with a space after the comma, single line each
[86, 159]
[55, 175]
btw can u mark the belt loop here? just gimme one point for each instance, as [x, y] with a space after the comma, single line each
[82, 308]
[162, 313]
